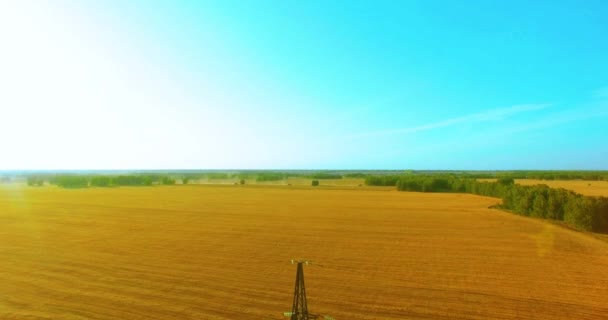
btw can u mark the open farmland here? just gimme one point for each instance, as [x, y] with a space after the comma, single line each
[294, 181]
[584, 187]
[222, 252]
[588, 188]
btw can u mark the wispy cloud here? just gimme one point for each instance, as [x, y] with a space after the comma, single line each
[490, 115]
[500, 135]
[567, 116]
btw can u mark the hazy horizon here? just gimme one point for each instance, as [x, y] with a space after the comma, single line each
[279, 85]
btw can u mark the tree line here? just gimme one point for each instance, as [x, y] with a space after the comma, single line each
[558, 175]
[271, 177]
[582, 212]
[83, 181]
[324, 175]
[275, 176]
[539, 175]
[387, 180]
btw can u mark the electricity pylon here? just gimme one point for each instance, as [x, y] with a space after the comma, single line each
[299, 309]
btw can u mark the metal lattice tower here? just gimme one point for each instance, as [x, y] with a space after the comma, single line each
[299, 310]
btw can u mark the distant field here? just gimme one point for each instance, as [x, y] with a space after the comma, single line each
[222, 252]
[294, 181]
[588, 188]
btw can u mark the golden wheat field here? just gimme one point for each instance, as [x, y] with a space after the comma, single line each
[291, 181]
[588, 188]
[223, 252]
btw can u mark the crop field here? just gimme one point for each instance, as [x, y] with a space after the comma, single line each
[588, 188]
[584, 187]
[293, 181]
[223, 252]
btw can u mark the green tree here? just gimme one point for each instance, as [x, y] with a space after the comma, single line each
[539, 206]
[600, 218]
[555, 204]
[578, 212]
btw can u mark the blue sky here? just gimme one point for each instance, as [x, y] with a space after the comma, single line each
[304, 85]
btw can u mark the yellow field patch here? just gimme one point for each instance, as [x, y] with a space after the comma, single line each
[293, 181]
[588, 188]
[223, 252]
